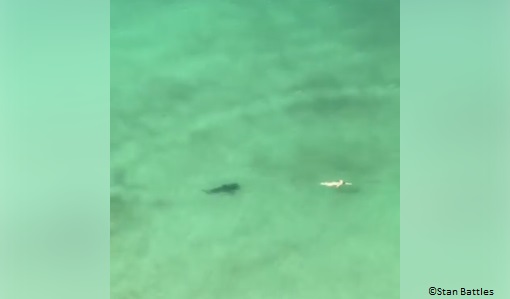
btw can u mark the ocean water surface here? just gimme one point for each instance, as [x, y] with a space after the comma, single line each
[276, 96]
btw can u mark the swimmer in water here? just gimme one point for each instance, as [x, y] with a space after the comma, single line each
[336, 184]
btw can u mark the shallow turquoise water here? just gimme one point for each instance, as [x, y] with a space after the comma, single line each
[278, 98]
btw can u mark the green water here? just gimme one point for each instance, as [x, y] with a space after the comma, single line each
[278, 98]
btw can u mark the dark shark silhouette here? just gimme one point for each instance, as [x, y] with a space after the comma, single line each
[225, 188]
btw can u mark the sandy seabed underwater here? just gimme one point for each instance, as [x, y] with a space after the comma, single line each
[277, 96]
